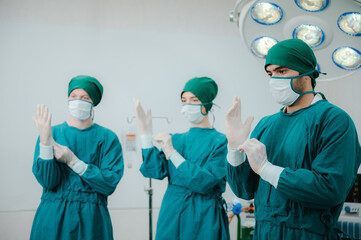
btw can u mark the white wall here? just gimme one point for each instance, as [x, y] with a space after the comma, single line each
[136, 48]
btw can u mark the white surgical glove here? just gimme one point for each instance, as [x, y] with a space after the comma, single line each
[165, 141]
[256, 153]
[144, 120]
[257, 158]
[43, 122]
[65, 155]
[237, 132]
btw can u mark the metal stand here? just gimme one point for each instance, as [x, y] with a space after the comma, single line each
[130, 119]
[149, 190]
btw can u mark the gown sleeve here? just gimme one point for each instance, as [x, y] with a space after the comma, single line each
[242, 180]
[155, 165]
[202, 179]
[46, 172]
[105, 178]
[332, 171]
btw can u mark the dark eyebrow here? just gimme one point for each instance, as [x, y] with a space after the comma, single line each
[277, 68]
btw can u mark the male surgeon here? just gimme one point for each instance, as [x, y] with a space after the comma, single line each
[299, 163]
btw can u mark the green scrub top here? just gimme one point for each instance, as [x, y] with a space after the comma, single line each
[318, 147]
[73, 206]
[192, 207]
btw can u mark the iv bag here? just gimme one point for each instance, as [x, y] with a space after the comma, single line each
[129, 137]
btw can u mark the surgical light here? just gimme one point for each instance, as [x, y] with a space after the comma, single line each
[262, 23]
[350, 23]
[261, 45]
[312, 5]
[347, 58]
[266, 13]
[310, 34]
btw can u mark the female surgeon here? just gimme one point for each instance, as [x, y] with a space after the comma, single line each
[195, 164]
[79, 164]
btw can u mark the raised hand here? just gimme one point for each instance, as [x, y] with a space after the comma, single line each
[144, 120]
[237, 132]
[43, 123]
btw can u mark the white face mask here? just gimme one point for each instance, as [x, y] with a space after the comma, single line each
[80, 109]
[283, 92]
[193, 112]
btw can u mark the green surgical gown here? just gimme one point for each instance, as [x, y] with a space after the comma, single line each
[192, 207]
[73, 206]
[319, 149]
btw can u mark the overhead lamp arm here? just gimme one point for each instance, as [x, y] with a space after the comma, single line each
[235, 14]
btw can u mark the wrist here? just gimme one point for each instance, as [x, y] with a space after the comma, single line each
[73, 161]
[168, 152]
[271, 173]
[235, 144]
[235, 157]
[79, 167]
[146, 141]
[46, 141]
[145, 131]
[176, 159]
[232, 146]
[260, 170]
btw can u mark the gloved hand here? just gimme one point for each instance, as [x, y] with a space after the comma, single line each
[236, 131]
[256, 153]
[165, 141]
[65, 155]
[144, 121]
[43, 122]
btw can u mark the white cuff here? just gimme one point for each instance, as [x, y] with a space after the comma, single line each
[146, 141]
[80, 167]
[235, 157]
[271, 173]
[46, 152]
[176, 159]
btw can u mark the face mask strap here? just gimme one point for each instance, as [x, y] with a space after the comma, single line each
[213, 117]
[212, 112]
[92, 113]
[299, 93]
[203, 104]
[291, 79]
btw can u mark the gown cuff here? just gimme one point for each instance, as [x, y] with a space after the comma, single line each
[46, 152]
[271, 173]
[79, 167]
[147, 141]
[235, 157]
[176, 159]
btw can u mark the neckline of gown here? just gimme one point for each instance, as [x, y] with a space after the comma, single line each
[300, 111]
[200, 129]
[78, 129]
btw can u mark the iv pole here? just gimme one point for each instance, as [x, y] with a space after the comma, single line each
[149, 189]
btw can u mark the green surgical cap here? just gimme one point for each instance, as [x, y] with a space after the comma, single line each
[204, 88]
[294, 54]
[89, 84]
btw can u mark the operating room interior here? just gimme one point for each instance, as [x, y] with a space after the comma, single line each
[137, 49]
